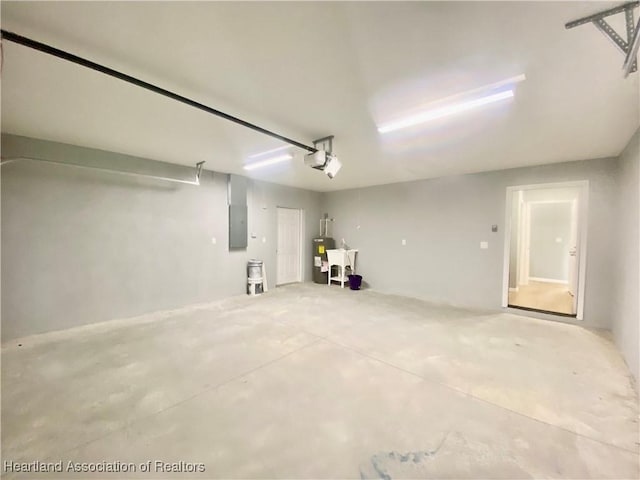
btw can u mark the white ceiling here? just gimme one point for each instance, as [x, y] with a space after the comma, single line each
[311, 69]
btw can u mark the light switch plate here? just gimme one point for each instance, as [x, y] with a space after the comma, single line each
[404, 242]
[214, 240]
[484, 245]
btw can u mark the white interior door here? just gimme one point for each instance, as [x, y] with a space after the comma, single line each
[289, 246]
[573, 254]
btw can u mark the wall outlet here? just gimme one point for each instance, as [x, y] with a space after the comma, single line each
[214, 240]
[253, 235]
[484, 245]
[404, 242]
[264, 239]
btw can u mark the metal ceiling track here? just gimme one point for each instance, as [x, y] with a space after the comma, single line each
[628, 47]
[195, 181]
[70, 57]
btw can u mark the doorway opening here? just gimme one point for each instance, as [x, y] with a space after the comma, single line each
[545, 248]
[289, 249]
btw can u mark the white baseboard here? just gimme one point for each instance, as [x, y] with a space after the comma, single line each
[511, 289]
[548, 280]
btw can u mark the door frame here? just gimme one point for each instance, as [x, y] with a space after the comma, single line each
[521, 240]
[301, 229]
[573, 265]
[583, 209]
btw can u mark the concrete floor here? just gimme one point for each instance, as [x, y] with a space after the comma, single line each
[310, 381]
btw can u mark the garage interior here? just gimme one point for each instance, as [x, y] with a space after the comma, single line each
[301, 240]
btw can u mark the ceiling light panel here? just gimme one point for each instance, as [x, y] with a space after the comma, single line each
[267, 152]
[452, 104]
[268, 161]
[444, 111]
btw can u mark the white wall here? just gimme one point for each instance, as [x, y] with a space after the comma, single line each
[82, 246]
[626, 314]
[444, 220]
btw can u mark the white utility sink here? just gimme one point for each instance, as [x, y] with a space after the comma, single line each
[341, 258]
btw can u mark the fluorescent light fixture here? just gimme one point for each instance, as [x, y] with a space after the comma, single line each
[279, 149]
[511, 81]
[268, 161]
[444, 111]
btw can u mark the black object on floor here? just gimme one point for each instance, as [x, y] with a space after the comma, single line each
[355, 281]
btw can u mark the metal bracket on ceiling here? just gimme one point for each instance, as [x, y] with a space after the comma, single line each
[324, 143]
[629, 47]
[198, 171]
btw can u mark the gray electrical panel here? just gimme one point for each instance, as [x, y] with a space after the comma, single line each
[237, 226]
[237, 198]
